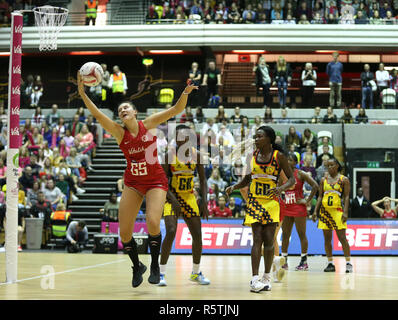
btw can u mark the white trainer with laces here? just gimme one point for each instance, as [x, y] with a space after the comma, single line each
[162, 282]
[199, 278]
[266, 280]
[256, 285]
[349, 268]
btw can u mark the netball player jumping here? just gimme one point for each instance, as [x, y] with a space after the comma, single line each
[143, 177]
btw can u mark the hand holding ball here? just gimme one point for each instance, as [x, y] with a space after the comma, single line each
[91, 74]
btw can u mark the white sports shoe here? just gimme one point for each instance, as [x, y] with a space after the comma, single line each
[80, 190]
[199, 278]
[278, 271]
[266, 280]
[162, 282]
[256, 285]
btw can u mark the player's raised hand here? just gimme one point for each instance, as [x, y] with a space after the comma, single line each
[80, 84]
[190, 87]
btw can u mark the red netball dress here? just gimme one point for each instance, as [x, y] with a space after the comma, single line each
[389, 214]
[143, 170]
[289, 206]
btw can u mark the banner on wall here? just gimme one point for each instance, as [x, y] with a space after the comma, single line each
[224, 236]
[229, 236]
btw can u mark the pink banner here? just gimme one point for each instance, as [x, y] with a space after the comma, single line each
[15, 81]
[139, 227]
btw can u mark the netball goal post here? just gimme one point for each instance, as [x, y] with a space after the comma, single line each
[49, 21]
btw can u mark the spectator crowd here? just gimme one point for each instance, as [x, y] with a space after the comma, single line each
[54, 158]
[375, 12]
[273, 12]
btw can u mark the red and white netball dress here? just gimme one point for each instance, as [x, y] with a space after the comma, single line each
[143, 171]
[289, 206]
[389, 214]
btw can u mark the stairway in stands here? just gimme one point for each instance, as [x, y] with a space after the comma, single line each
[109, 165]
[237, 80]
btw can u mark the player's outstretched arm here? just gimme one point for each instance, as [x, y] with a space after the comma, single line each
[109, 125]
[154, 120]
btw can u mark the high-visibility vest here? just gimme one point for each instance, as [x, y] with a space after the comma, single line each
[59, 221]
[91, 11]
[118, 85]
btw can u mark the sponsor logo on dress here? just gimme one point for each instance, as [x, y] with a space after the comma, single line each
[16, 69]
[136, 150]
[144, 138]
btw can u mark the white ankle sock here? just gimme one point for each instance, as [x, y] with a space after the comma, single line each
[162, 268]
[195, 268]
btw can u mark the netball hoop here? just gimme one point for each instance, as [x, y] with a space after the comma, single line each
[49, 21]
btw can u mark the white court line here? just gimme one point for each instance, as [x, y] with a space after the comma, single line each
[373, 275]
[62, 272]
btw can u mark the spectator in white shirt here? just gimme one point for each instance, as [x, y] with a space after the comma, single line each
[308, 77]
[382, 79]
[209, 125]
[227, 136]
[278, 19]
[289, 19]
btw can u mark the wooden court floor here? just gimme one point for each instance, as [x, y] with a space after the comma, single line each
[56, 275]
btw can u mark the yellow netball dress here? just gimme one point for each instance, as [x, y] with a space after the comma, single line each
[263, 206]
[331, 209]
[182, 187]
